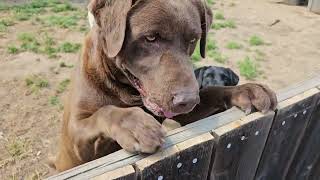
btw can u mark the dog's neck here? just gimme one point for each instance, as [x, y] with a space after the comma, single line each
[103, 71]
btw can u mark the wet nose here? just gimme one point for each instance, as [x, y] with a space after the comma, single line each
[184, 102]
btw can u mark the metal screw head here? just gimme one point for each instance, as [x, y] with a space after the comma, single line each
[256, 133]
[195, 160]
[160, 177]
[179, 165]
[283, 123]
[229, 146]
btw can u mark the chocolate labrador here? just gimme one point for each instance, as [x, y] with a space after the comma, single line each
[135, 60]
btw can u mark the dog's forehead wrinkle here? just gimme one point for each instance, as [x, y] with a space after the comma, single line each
[168, 16]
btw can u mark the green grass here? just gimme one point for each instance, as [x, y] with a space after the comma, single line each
[49, 47]
[211, 45]
[43, 44]
[68, 21]
[256, 41]
[29, 42]
[55, 101]
[210, 2]
[63, 85]
[23, 12]
[4, 7]
[84, 28]
[5, 23]
[217, 56]
[233, 45]
[17, 147]
[212, 52]
[36, 83]
[68, 47]
[248, 68]
[12, 49]
[219, 16]
[226, 24]
[63, 7]
[196, 56]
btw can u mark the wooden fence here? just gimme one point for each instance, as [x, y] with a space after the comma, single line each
[280, 145]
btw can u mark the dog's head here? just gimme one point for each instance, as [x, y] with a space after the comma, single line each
[151, 42]
[216, 76]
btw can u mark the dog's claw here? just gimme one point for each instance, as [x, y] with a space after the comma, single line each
[247, 111]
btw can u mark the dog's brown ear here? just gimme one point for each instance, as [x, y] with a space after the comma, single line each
[111, 17]
[206, 21]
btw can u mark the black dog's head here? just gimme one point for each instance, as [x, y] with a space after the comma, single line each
[216, 76]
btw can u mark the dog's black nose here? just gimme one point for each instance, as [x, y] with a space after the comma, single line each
[184, 102]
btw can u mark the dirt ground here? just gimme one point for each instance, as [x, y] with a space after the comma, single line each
[30, 114]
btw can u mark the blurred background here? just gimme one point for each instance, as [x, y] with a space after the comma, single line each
[264, 41]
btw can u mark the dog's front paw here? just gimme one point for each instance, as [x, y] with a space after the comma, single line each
[249, 96]
[138, 132]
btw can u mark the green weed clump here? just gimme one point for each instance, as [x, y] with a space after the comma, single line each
[211, 2]
[196, 56]
[226, 24]
[219, 16]
[63, 85]
[68, 47]
[256, 41]
[36, 83]
[43, 44]
[61, 21]
[12, 49]
[248, 68]
[233, 45]
[55, 101]
[29, 42]
[217, 56]
[17, 147]
[5, 23]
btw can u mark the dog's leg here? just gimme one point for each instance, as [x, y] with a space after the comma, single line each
[132, 128]
[217, 99]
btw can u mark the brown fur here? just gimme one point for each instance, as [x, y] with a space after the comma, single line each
[105, 112]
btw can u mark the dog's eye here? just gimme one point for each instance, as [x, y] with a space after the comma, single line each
[192, 41]
[151, 38]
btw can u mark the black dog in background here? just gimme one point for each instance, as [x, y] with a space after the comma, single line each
[206, 76]
[216, 76]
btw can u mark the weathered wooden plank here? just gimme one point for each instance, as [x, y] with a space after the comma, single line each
[298, 88]
[289, 125]
[122, 158]
[239, 146]
[308, 154]
[123, 173]
[186, 160]
[91, 169]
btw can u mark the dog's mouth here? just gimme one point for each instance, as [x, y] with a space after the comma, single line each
[148, 103]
